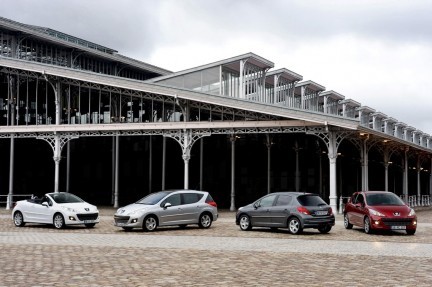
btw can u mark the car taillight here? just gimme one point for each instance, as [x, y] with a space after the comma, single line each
[330, 211]
[303, 210]
[212, 203]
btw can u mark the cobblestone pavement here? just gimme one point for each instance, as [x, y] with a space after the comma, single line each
[38, 255]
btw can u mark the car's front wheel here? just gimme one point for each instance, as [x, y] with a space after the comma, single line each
[58, 221]
[18, 219]
[245, 223]
[150, 223]
[205, 220]
[367, 225]
[294, 226]
[347, 224]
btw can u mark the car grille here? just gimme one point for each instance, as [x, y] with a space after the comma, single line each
[397, 221]
[87, 216]
[121, 219]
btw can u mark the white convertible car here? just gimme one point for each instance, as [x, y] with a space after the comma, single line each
[59, 209]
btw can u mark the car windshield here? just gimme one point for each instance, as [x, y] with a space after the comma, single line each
[153, 198]
[65, 198]
[310, 200]
[383, 199]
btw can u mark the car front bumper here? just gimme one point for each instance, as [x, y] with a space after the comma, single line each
[81, 218]
[384, 223]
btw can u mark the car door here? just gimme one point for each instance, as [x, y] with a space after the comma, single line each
[172, 214]
[357, 210]
[279, 212]
[261, 215]
[191, 208]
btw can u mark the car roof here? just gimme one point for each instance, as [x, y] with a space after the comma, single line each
[293, 193]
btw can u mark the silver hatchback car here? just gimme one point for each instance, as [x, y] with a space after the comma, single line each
[167, 208]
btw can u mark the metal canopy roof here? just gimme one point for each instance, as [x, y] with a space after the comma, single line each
[232, 63]
[283, 73]
[351, 103]
[332, 95]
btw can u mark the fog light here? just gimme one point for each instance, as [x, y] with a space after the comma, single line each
[414, 222]
[134, 220]
[72, 218]
[376, 222]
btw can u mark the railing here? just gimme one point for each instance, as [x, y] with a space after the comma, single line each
[415, 201]
[11, 199]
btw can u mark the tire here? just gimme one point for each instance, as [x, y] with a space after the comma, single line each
[325, 229]
[367, 226]
[244, 222]
[18, 219]
[205, 220]
[90, 225]
[294, 226]
[150, 223]
[410, 231]
[347, 224]
[58, 221]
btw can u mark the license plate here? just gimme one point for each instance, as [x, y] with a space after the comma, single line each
[397, 227]
[320, 212]
[119, 224]
[88, 221]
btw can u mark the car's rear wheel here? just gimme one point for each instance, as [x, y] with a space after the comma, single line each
[90, 225]
[205, 220]
[325, 229]
[58, 221]
[19, 219]
[150, 223]
[347, 224]
[245, 223]
[294, 226]
[367, 225]
[410, 231]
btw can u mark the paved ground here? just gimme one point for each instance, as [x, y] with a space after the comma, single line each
[223, 255]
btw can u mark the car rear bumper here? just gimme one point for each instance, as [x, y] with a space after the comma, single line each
[316, 222]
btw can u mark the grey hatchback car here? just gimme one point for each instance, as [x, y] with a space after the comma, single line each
[293, 210]
[167, 208]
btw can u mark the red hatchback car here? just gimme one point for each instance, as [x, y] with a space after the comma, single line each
[379, 210]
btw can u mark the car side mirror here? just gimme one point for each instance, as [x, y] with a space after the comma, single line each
[256, 205]
[166, 205]
[45, 203]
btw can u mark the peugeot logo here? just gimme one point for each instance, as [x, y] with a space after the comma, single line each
[87, 209]
[396, 213]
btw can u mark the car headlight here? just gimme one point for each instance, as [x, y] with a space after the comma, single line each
[69, 209]
[135, 212]
[376, 213]
[412, 212]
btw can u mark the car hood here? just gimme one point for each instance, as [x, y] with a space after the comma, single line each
[132, 208]
[80, 206]
[391, 210]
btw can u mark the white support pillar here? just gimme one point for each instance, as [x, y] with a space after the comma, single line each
[297, 170]
[57, 158]
[163, 161]
[268, 144]
[150, 164]
[116, 177]
[418, 181]
[405, 176]
[232, 206]
[332, 155]
[201, 163]
[365, 164]
[68, 167]
[386, 168]
[186, 158]
[9, 201]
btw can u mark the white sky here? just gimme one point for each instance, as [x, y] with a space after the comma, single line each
[377, 52]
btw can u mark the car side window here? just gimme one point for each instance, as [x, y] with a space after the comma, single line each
[189, 198]
[174, 199]
[283, 200]
[267, 201]
[359, 199]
